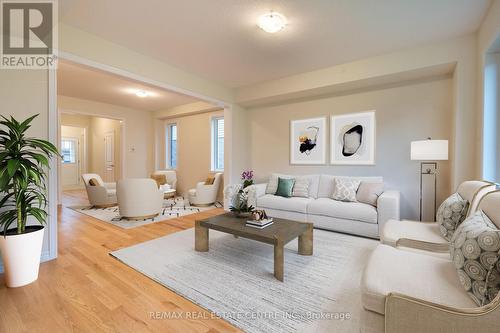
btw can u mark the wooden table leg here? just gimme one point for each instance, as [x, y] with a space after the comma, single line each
[278, 260]
[200, 237]
[306, 242]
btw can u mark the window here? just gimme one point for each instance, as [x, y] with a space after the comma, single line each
[171, 146]
[68, 150]
[218, 143]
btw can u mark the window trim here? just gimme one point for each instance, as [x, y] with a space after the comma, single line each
[168, 147]
[214, 149]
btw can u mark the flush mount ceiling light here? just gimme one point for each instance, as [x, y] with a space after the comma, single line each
[142, 93]
[272, 22]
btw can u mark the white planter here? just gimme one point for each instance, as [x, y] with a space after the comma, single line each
[21, 256]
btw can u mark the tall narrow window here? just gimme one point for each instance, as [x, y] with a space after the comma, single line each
[68, 150]
[218, 143]
[171, 134]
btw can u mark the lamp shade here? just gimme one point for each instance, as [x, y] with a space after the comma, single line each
[429, 150]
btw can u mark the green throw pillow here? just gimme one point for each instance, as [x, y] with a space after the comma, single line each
[285, 187]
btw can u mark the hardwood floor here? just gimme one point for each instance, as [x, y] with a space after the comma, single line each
[86, 290]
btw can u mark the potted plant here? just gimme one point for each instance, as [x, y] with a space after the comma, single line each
[23, 165]
[240, 206]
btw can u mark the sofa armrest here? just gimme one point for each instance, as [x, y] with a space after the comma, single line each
[408, 314]
[388, 207]
[255, 191]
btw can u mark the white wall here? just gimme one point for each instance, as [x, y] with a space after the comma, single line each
[458, 54]
[138, 138]
[404, 113]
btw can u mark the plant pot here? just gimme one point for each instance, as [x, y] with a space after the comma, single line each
[21, 255]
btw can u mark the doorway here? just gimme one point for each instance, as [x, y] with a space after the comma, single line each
[73, 146]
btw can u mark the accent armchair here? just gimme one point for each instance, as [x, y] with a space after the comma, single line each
[203, 194]
[426, 235]
[407, 291]
[139, 198]
[170, 177]
[100, 194]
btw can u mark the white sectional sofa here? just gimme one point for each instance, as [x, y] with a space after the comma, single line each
[349, 217]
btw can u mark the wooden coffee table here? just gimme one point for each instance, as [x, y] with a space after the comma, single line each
[278, 234]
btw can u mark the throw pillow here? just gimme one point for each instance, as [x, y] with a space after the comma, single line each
[474, 249]
[93, 182]
[159, 179]
[344, 189]
[301, 187]
[285, 186]
[368, 193]
[450, 214]
[210, 180]
[272, 185]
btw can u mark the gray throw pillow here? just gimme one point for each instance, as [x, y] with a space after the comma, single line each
[368, 193]
[450, 214]
[344, 189]
[474, 249]
[301, 187]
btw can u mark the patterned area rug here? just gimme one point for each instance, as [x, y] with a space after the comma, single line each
[172, 208]
[235, 281]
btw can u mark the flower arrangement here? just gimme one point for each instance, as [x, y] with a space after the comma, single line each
[247, 177]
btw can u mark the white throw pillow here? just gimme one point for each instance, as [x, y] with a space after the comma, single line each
[301, 187]
[345, 189]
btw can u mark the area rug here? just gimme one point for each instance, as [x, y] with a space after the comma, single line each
[235, 281]
[172, 208]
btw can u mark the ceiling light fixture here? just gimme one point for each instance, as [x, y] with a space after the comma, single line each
[272, 22]
[142, 93]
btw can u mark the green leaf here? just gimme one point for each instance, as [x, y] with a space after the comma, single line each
[12, 166]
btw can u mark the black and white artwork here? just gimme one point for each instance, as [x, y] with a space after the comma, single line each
[308, 141]
[353, 138]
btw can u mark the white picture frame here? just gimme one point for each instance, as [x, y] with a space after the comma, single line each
[352, 138]
[308, 141]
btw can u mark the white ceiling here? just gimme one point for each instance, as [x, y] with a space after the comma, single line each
[219, 39]
[83, 82]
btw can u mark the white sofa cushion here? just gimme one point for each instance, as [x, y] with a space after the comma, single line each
[417, 275]
[343, 210]
[394, 230]
[325, 188]
[293, 204]
[301, 187]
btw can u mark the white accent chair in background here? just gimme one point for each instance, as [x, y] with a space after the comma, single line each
[204, 195]
[139, 198]
[170, 175]
[101, 195]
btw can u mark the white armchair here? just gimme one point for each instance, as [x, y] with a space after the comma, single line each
[102, 194]
[170, 175]
[139, 198]
[204, 195]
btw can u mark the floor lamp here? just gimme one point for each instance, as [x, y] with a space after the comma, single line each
[428, 151]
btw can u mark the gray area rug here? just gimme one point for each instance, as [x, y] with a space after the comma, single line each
[235, 281]
[172, 208]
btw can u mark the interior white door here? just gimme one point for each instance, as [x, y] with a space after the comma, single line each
[70, 174]
[109, 157]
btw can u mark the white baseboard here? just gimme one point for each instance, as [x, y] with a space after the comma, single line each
[45, 257]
